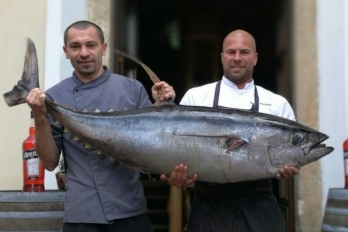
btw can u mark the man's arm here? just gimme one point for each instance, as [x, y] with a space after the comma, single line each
[46, 147]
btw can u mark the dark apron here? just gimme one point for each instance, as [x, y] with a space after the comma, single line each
[243, 206]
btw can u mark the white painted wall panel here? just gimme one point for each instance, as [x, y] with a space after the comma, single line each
[332, 69]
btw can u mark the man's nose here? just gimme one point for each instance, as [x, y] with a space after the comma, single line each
[84, 51]
[237, 56]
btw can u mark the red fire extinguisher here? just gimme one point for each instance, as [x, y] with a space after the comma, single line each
[33, 171]
[345, 152]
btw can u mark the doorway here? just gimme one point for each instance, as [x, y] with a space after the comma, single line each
[181, 40]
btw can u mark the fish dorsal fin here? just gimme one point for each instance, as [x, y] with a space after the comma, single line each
[151, 74]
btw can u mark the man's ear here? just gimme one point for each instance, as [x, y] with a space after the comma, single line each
[256, 56]
[104, 45]
[65, 51]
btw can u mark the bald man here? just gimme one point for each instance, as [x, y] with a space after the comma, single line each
[243, 206]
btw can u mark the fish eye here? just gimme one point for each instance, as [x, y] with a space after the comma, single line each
[298, 137]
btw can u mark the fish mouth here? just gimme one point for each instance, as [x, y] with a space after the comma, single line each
[319, 149]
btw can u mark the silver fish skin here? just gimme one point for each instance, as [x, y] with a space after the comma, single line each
[220, 145]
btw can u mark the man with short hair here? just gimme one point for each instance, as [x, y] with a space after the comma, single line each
[101, 193]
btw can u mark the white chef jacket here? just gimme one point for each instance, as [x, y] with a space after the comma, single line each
[232, 97]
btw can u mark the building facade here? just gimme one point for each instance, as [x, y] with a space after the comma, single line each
[310, 46]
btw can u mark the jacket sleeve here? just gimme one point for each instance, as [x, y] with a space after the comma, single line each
[287, 111]
[143, 97]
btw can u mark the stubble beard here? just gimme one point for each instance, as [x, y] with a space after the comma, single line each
[238, 78]
[90, 69]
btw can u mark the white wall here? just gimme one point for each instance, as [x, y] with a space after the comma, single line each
[44, 22]
[60, 14]
[19, 20]
[333, 74]
[345, 34]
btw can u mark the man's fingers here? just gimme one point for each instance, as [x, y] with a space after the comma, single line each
[191, 181]
[163, 91]
[42, 98]
[164, 177]
[283, 174]
[291, 171]
[294, 170]
[159, 86]
[179, 177]
[180, 173]
[183, 179]
[173, 177]
[286, 171]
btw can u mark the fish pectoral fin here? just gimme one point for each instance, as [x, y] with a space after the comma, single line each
[234, 143]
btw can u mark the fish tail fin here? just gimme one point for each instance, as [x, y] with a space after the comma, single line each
[29, 80]
[51, 107]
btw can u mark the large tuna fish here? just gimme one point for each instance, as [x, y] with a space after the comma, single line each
[220, 145]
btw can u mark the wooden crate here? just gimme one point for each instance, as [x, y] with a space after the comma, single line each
[336, 211]
[37, 211]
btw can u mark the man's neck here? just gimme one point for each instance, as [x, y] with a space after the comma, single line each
[240, 85]
[85, 78]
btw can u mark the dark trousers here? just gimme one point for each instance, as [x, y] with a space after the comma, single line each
[140, 223]
[258, 214]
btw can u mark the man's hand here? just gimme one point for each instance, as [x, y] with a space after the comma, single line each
[36, 101]
[161, 92]
[179, 177]
[287, 172]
